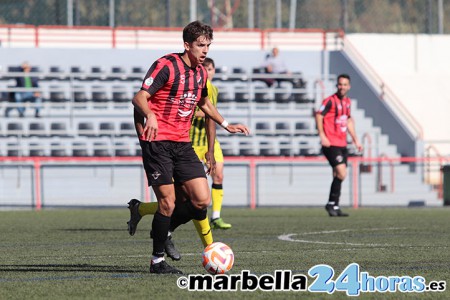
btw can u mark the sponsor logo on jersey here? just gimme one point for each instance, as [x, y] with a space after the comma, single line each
[148, 82]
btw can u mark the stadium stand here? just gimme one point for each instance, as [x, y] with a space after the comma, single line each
[13, 149]
[58, 150]
[76, 95]
[59, 129]
[79, 94]
[86, 129]
[80, 149]
[15, 129]
[37, 129]
[78, 122]
[106, 129]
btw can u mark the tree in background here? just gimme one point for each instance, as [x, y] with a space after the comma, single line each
[362, 16]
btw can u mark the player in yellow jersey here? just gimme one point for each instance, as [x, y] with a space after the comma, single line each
[197, 135]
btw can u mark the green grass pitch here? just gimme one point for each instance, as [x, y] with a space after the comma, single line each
[88, 254]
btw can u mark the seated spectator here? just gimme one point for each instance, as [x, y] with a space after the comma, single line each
[274, 64]
[26, 81]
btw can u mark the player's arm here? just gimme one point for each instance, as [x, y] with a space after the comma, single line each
[210, 110]
[320, 115]
[199, 114]
[210, 127]
[139, 122]
[323, 138]
[352, 132]
[150, 128]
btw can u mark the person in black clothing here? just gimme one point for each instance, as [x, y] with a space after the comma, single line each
[24, 82]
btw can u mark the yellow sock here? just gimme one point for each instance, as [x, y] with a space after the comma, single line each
[204, 231]
[217, 198]
[148, 208]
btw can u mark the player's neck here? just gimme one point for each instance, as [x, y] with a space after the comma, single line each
[340, 96]
[187, 60]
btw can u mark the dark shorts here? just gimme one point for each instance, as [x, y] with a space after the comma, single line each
[335, 155]
[167, 162]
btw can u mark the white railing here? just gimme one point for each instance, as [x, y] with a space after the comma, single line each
[385, 94]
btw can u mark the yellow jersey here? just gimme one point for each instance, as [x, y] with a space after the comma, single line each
[197, 133]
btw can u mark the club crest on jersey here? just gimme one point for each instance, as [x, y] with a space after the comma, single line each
[187, 102]
[184, 113]
[182, 79]
[148, 81]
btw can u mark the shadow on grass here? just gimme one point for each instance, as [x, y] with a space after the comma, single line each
[66, 268]
[92, 229]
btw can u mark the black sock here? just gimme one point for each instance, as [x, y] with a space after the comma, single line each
[196, 214]
[160, 229]
[181, 215]
[217, 186]
[335, 191]
[184, 212]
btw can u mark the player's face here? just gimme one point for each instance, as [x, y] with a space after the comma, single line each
[197, 50]
[211, 71]
[343, 86]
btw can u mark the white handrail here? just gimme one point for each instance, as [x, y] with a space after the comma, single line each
[385, 94]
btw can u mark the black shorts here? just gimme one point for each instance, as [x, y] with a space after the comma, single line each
[335, 155]
[167, 162]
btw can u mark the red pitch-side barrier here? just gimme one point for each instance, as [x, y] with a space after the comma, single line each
[252, 161]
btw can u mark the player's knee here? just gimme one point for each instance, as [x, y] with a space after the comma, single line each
[218, 178]
[341, 176]
[166, 206]
[200, 214]
[340, 172]
[201, 200]
[202, 203]
[197, 212]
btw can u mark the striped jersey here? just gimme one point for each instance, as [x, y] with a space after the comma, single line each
[198, 130]
[175, 90]
[336, 112]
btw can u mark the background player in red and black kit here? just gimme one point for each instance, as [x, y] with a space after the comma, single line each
[333, 122]
[174, 85]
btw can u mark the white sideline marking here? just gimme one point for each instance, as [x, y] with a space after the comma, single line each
[289, 237]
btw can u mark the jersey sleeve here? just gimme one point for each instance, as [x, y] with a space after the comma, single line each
[205, 91]
[325, 107]
[205, 82]
[156, 77]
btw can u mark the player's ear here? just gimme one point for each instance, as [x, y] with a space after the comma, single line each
[186, 46]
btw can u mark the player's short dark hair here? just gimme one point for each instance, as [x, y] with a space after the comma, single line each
[196, 29]
[208, 61]
[346, 76]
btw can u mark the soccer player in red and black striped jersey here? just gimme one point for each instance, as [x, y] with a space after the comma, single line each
[174, 86]
[333, 122]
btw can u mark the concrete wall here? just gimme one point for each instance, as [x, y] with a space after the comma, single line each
[417, 69]
[368, 100]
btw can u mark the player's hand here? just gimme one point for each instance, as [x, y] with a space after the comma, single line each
[324, 141]
[210, 162]
[237, 128]
[359, 146]
[151, 127]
